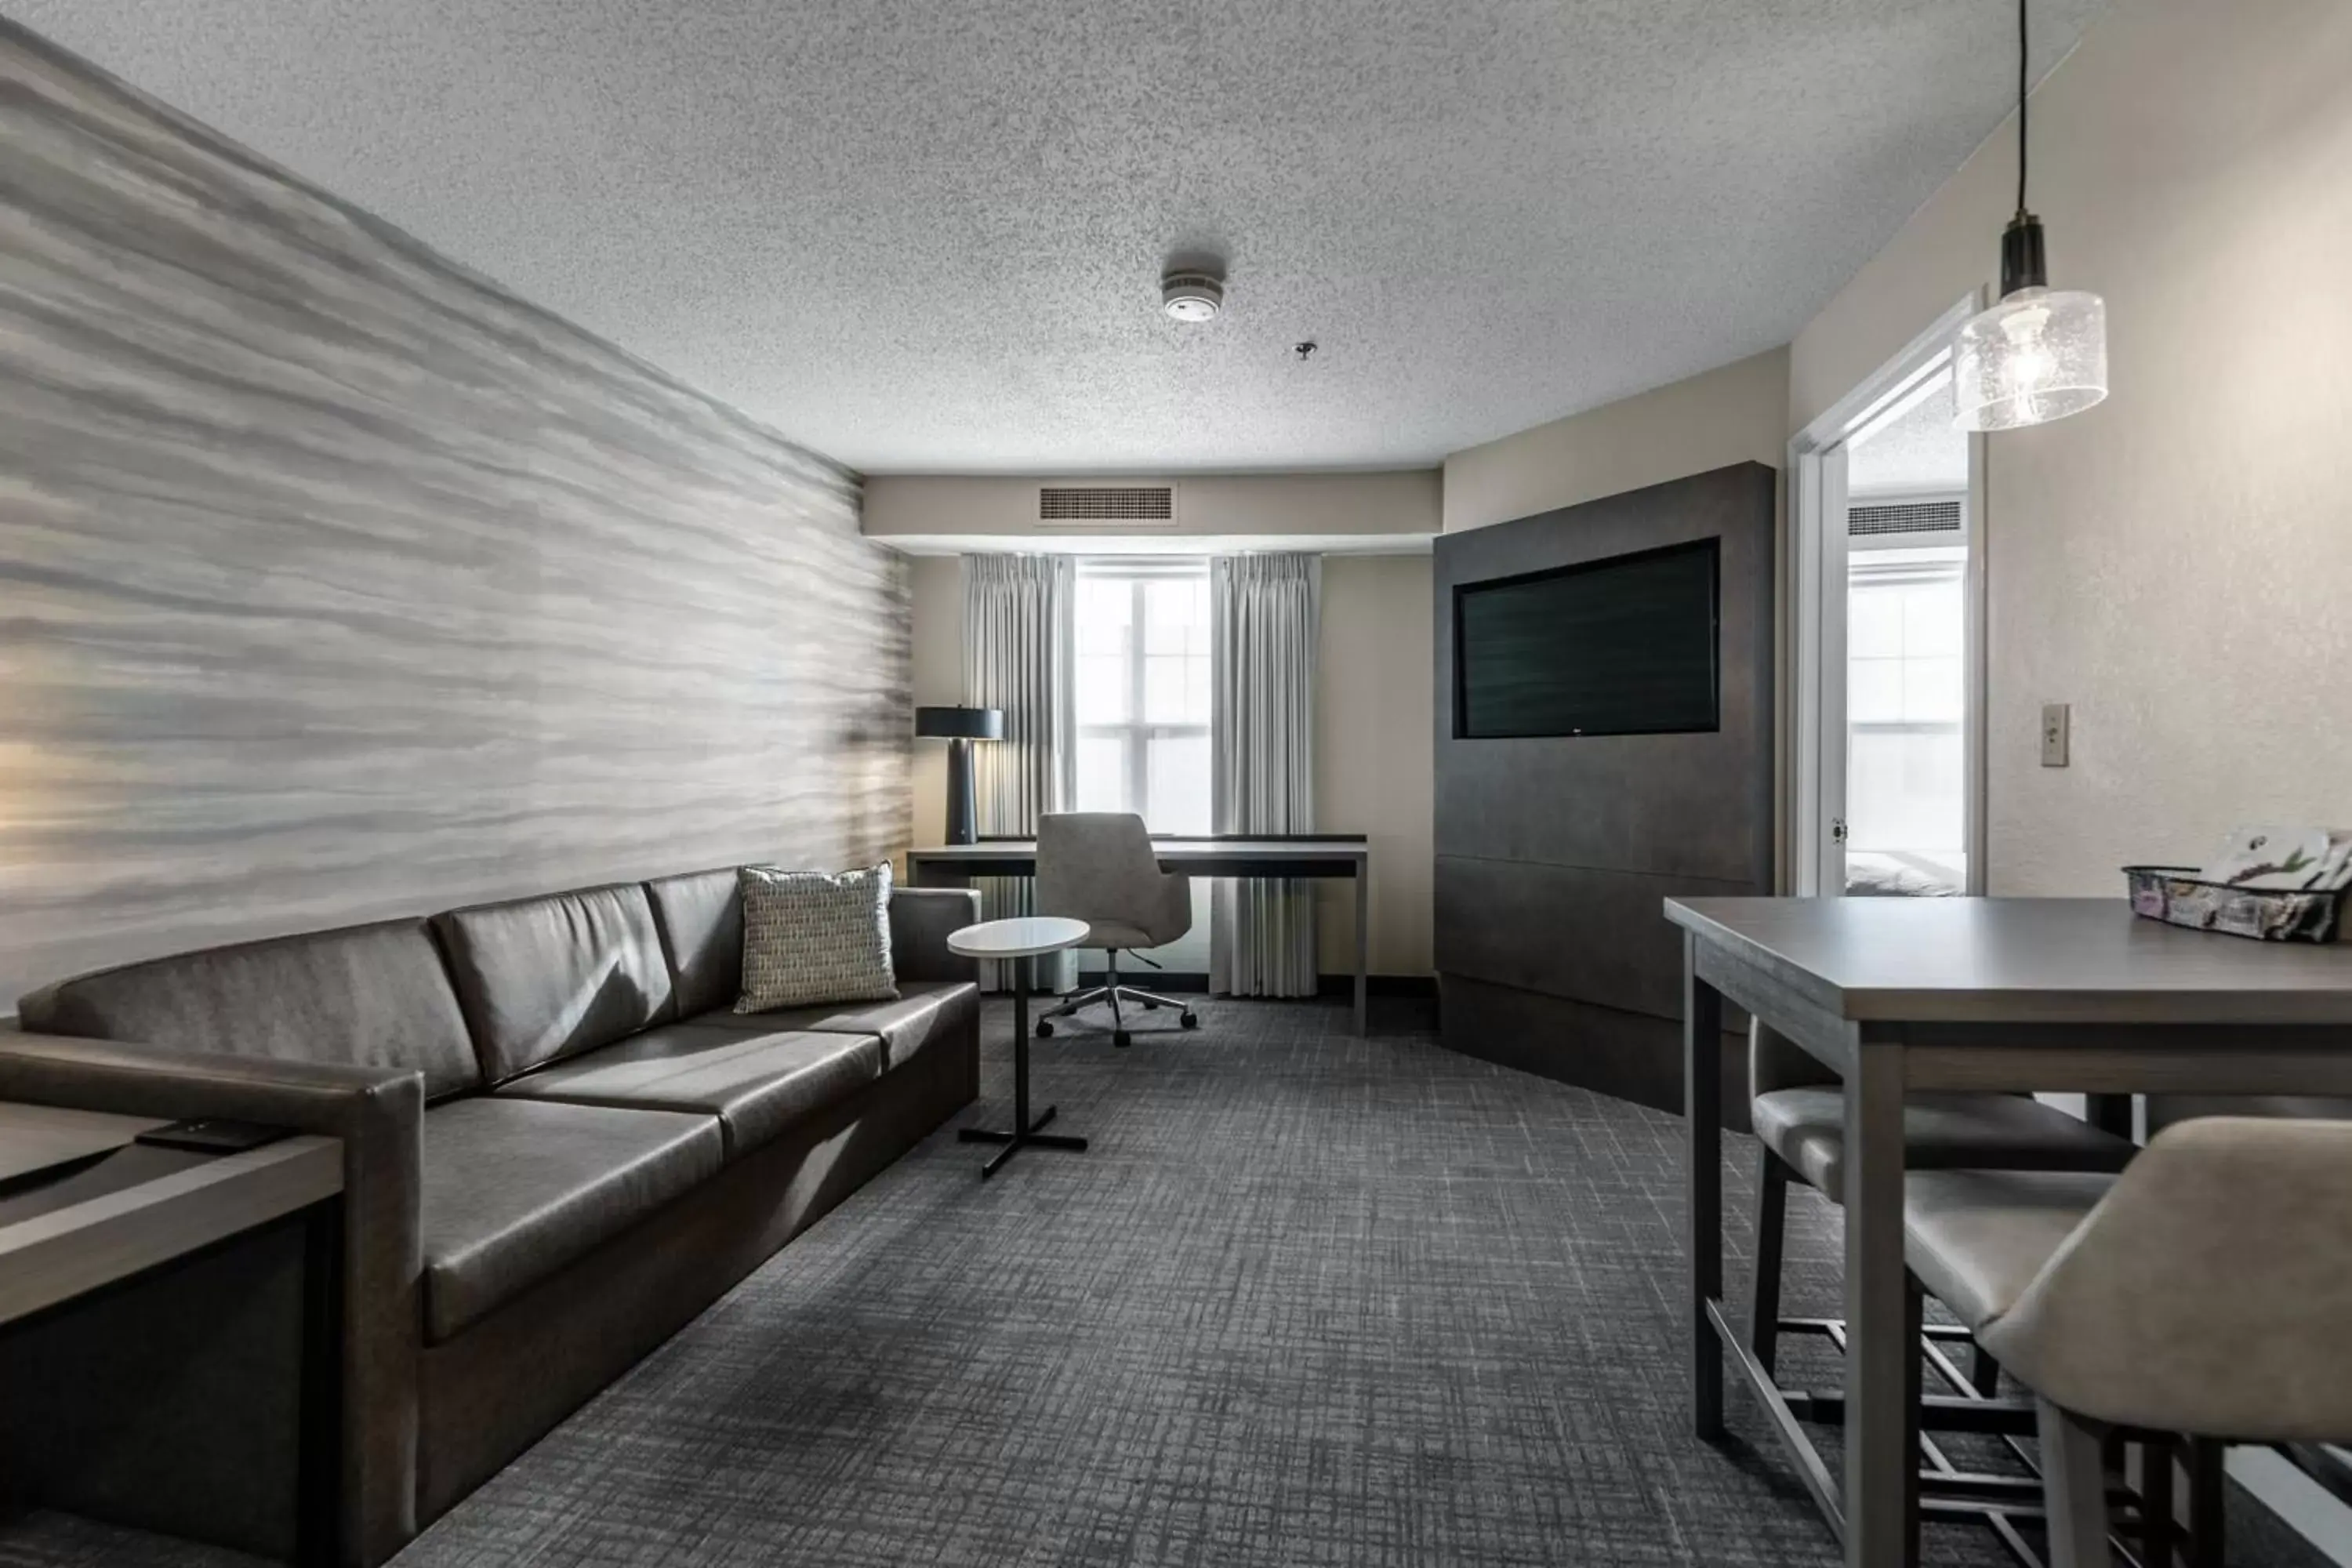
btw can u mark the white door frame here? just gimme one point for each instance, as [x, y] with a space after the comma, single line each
[1817, 557]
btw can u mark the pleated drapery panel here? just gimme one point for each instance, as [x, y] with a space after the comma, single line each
[1264, 611]
[1020, 630]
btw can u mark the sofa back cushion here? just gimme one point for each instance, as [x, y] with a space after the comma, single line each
[701, 918]
[371, 995]
[544, 978]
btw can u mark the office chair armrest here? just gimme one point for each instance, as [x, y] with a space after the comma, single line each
[1174, 915]
[2208, 1292]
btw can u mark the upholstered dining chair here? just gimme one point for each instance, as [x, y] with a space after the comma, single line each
[1797, 1109]
[2203, 1291]
[1098, 867]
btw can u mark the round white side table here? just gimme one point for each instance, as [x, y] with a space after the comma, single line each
[1018, 942]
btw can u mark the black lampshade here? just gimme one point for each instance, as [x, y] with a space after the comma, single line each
[960, 724]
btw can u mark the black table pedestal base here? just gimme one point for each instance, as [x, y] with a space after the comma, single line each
[1025, 1132]
[1014, 1142]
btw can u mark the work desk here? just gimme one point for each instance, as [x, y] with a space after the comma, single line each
[1309, 855]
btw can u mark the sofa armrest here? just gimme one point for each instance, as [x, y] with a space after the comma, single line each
[922, 920]
[379, 1115]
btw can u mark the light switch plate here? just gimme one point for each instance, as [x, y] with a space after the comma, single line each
[2055, 724]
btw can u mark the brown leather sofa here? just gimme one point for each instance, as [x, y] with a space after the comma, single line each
[560, 1144]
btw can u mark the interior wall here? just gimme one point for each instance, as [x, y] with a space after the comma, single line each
[1371, 737]
[1553, 854]
[342, 584]
[2171, 563]
[1403, 503]
[1373, 764]
[1735, 413]
[935, 660]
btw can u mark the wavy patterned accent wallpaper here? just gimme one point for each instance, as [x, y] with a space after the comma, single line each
[340, 584]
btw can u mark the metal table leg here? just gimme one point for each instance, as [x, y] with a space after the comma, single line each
[1363, 945]
[1703, 1124]
[1023, 1131]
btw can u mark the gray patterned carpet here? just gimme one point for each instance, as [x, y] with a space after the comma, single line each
[1309, 1299]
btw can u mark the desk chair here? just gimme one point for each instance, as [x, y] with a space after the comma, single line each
[2204, 1292]
[1099, 866]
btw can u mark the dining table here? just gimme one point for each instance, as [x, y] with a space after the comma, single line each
[1901, 996]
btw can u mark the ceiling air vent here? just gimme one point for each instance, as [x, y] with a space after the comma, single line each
[1911, 517]
[1106, 503]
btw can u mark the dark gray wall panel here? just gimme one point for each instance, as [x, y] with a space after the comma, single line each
[1555, 855]
[1698, 805]
[1567, 929]
[1630, 1055]
[341, 584]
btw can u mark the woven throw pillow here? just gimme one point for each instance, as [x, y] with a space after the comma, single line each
[815, 936]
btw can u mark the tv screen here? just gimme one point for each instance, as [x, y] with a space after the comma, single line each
[1624, 646]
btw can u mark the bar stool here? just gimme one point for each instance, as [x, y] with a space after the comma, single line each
[1797, 1109]
[2204, 1292]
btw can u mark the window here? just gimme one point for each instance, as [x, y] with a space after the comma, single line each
[1905, 696]
[1143, 690]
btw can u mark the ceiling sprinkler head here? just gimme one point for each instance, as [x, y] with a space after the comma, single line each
[1304, 351]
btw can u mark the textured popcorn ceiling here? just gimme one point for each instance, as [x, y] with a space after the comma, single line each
[926, 235]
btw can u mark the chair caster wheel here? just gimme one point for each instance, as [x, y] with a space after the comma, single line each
[1122, 1039]
[1045, 1029]
[1151, 1007]
[1189, 1019]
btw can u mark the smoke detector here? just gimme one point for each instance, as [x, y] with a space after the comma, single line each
[1192, 296]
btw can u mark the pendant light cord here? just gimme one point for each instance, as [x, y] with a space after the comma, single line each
[2021, 57]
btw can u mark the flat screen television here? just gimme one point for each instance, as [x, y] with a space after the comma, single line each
[1622, 646]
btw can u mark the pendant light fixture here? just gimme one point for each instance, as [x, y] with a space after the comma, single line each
[2040, 354]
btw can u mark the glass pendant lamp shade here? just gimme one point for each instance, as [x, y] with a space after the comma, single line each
[2039, 355]
[2042, 353]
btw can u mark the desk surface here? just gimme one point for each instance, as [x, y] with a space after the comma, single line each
[1338, 848]
[2021, 960]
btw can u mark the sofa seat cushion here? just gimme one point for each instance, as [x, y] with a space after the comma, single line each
[926, 1011]
[548, 977]
[756, 1083]
[515, 1189]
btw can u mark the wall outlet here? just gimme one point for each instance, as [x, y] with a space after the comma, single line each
[2055, 724]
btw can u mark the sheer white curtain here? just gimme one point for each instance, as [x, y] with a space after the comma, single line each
[1019, 620]
[1263, 611]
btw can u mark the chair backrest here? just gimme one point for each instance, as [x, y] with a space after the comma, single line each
[1098, 865]
[2207, 1292]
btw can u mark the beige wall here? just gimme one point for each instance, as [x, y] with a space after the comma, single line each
[1402, 502]
[1372, 736]
[1735, 413]
[1738, 413]
[1374, 748]
[936, 584]
[2174, 564]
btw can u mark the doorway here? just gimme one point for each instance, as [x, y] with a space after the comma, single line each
[1888, 574]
